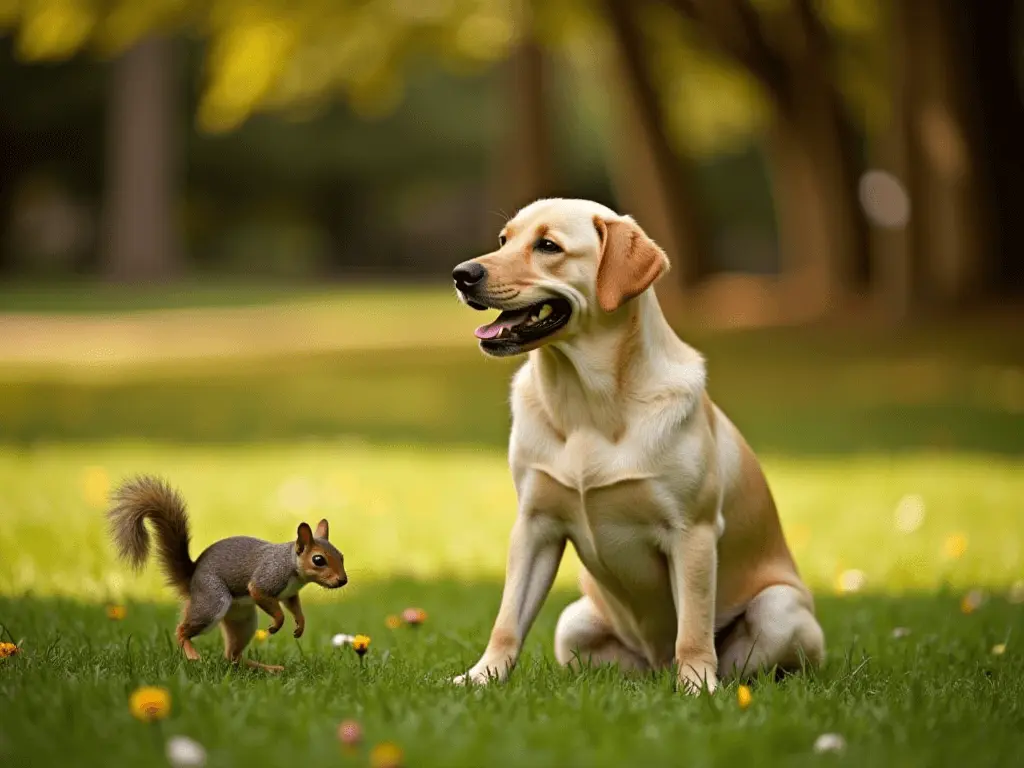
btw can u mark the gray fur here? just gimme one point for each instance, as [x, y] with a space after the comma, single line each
[240, 559]
[217, 583]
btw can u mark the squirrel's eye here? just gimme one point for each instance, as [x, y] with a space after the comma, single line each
[319, 561]
[501, 240]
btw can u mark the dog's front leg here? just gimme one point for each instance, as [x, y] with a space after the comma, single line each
[535, 551]
[693, 558]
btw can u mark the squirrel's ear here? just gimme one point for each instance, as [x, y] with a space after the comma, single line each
[322, 530]
[304, 539]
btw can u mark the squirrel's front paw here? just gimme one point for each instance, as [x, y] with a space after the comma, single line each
[275, 627]
[299, 629]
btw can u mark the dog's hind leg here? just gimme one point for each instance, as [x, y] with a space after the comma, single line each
[583, 636]
[777, 630]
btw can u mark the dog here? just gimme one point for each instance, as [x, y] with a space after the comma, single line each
[617, 448]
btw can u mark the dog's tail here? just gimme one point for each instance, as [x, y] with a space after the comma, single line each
[143, 498]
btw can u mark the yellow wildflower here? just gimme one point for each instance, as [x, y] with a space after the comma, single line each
[955, 546]
[261, 635]
[386, 755]
[999, 649]
[971, 601]
[150, 703]
[744, 697]
[8, 649]
[116, 612]
[393, 622]
[361, 644]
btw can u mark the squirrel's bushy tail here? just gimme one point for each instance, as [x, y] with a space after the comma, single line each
[143, 498]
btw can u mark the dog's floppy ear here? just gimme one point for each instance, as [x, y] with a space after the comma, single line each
[630, 262]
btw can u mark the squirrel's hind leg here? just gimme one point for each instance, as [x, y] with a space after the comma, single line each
[238, 627]
[208, 604]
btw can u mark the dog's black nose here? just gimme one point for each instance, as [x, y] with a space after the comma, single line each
[468, 274]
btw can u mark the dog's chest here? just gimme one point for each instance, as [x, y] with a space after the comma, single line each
[616, 530]
[606, 497]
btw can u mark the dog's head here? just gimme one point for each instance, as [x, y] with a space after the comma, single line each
[560, 265]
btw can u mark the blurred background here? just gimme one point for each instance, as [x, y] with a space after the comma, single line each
[227, 229]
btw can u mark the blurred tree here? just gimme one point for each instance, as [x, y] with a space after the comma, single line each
[953, 138]
[653, 176]
[140, 237]
[992, 49]
[524, 168]
[788, 49]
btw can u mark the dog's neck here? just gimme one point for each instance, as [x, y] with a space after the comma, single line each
[619, 359]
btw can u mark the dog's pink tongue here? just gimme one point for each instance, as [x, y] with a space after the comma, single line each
[505, 320]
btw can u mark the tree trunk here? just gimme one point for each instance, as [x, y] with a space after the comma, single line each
[822, 234]
[988, 36]
[141, 239]
[895, 260]
[946, 195]
[523, 170]
[652, 179]
[816, 170]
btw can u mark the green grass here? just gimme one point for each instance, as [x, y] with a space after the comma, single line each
[89, 296]
[401, 445]
[936, 697]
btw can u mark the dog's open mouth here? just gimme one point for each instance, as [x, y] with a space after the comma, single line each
[516, 329]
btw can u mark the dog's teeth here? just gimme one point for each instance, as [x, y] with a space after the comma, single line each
[544, 311]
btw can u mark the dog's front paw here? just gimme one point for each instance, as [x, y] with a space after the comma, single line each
[697, 674]
[485, 672]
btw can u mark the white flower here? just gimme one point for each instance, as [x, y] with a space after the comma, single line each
[851, 581]
[183, 752]
[1016, 594]
[900, 632]
[909, 513]
[339, 640]
[829, 742]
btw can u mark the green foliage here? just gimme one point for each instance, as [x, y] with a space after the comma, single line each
[275, 55]
[296, 56]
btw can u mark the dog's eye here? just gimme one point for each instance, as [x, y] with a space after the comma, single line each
[501, 241]
[319, 561]
[547, 246]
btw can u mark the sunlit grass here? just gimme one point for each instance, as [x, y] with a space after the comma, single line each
[428, 513]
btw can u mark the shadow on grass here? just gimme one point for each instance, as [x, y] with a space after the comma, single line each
[460, 614]
[811, 404]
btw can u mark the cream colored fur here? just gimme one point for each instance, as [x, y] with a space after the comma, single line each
[617, 448]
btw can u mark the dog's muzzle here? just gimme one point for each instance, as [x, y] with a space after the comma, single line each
[469, 277]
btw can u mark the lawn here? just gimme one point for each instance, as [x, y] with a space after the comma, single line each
[895, 459]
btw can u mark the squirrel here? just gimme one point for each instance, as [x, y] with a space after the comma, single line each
[230, 577]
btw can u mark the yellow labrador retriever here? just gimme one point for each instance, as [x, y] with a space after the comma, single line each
[617, 448]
